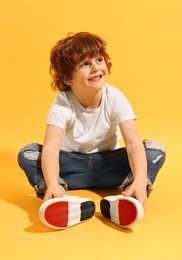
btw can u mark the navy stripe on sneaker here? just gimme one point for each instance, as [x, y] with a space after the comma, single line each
[87, 210]
[105, 208]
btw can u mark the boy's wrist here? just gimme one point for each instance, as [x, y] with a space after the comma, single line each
[129, 180]
[54, 183]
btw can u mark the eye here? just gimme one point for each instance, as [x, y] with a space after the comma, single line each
[85, 64]
[82, 65]
[100, 59]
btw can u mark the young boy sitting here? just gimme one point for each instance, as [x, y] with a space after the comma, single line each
[81, 148]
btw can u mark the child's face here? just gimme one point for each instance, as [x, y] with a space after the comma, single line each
[89, 74]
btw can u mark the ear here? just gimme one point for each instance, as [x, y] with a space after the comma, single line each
[68, 81]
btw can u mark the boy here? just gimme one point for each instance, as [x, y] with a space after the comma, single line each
[81, 147]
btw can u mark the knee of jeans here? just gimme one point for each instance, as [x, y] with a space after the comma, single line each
[29, 152]
[154, 145]
[156, 152]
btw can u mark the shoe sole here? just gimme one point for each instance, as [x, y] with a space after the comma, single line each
[60, 213]
[123, 211]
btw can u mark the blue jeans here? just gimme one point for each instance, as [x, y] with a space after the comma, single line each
[103, 170]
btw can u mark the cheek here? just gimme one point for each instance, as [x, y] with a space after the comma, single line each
[106, 71]
[83, 75]
[77, 76]
[105, 68]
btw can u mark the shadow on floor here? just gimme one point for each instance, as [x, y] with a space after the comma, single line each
[15, 189]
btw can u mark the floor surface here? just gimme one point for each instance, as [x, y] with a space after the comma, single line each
[158, 236]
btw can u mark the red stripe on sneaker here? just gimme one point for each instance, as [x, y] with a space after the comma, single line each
[56, 214]
[127, 212]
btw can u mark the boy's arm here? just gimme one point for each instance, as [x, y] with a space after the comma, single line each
[50, 162]
[137, 160]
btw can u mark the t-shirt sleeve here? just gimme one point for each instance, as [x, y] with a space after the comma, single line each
[59, 114]
[121, 108]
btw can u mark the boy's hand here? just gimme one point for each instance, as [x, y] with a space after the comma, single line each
[54, 191]
[137, 191]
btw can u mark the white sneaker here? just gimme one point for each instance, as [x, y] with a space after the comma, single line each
[64, 212]
[123, 211]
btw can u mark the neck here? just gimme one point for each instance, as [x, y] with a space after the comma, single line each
[89, 100]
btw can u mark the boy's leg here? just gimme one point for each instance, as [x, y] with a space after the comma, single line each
[127, 211]
[109, 169]
[156, 155]
[58, 213]
[75, 169]
[29, 159]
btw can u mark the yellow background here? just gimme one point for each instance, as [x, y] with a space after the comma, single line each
[145, 44]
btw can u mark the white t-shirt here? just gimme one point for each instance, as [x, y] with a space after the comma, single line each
[90, 130]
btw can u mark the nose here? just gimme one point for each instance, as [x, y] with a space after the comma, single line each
[94, 66]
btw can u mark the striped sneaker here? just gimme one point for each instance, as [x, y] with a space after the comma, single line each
[123, 211]
[64, 212]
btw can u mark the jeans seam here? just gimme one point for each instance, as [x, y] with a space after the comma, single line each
[90, 167]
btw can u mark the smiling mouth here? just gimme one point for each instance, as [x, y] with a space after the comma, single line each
[96, 78]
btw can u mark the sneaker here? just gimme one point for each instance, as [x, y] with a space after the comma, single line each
[64, 212]
[123, 211]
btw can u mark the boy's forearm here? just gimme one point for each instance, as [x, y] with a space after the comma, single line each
[50, 166]
[138, 162]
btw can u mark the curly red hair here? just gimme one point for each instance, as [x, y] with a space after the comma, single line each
[70, 51]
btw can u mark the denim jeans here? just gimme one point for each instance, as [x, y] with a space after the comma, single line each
[102, 170]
